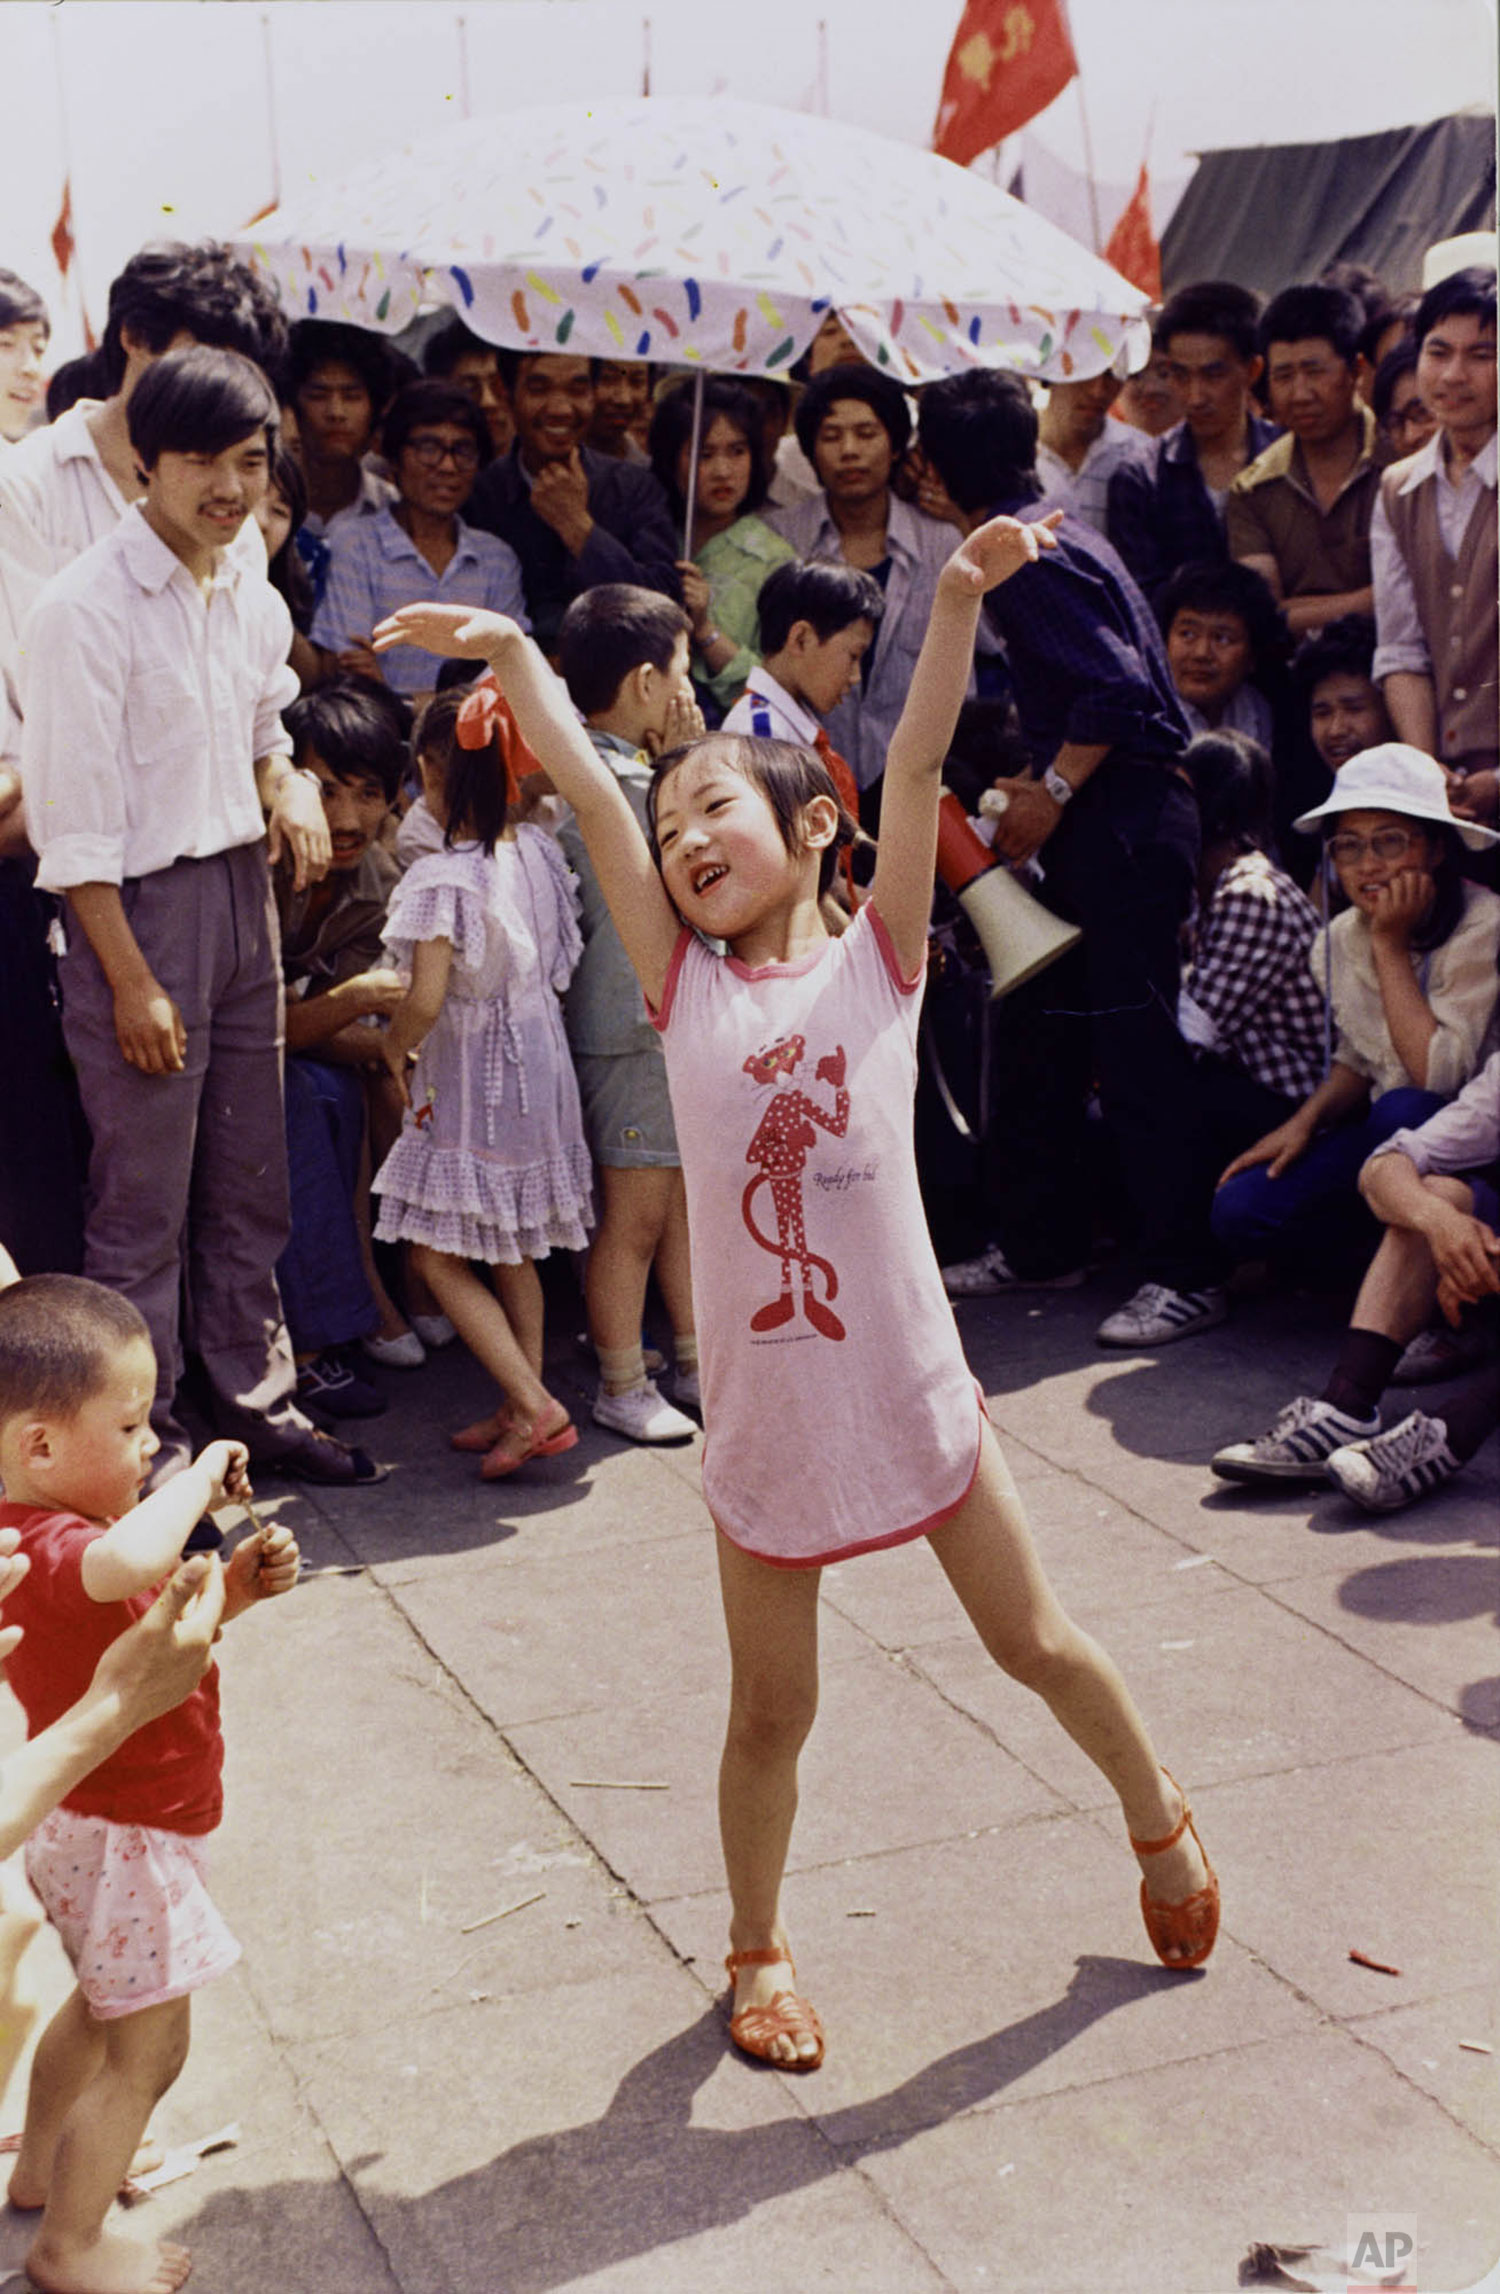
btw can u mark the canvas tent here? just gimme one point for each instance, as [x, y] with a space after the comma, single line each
[1275, 212]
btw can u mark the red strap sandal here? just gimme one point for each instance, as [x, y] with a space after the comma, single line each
[1182, 1935]
[755, 2029]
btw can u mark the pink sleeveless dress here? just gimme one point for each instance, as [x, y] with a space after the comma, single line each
[839, 1411]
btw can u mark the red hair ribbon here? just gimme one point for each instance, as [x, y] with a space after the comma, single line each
[487, 716]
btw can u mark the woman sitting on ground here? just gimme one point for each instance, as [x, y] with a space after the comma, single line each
[733, 550]
[1409, 969]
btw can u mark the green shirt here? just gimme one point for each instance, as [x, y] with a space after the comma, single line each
[736, 563]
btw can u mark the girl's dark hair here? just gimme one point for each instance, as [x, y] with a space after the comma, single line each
[1234, 783]
[200, 401]
[20, 305]
[473, 779]
[672, 429]
[357, 727]
[788, 778]
[885, 399]
[287, 571]
[420, 405]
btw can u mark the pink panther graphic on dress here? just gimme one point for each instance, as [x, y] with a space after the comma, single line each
[779, 1148]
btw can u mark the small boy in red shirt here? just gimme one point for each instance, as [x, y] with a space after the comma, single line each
[119, 1866]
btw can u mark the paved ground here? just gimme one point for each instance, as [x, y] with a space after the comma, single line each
[1015, 2097]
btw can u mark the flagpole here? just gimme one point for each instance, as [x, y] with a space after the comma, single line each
[645, 55]
[72, 273]
[461, 27]
[823, 67]
[1088, 163]
[272, 134]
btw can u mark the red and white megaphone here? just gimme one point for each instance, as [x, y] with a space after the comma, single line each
[1018, 935]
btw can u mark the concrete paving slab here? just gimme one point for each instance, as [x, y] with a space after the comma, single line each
[1394, 1854]
[1437, 2046]
[1164, 2181]
[365, 1921]
[1231, 1684]
[548, 1635]
[922, 1772]
[575, 2135]
[1428, 1618]
[986, 1970]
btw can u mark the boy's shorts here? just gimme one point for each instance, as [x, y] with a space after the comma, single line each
[627, 1113]
[132, 1907]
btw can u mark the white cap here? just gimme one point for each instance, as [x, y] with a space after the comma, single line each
[1394, 777]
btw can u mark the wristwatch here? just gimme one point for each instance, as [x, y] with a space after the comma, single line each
[1061, 792]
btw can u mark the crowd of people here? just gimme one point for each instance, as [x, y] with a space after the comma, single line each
[376, 726]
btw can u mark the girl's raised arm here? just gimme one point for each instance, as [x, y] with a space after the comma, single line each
[647, 922]
[904, 870]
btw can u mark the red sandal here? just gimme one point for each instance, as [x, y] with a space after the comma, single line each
[1188, 1929]
[755, 2029]
[548, 1434]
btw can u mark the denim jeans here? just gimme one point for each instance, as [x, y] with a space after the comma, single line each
[1315, 1207]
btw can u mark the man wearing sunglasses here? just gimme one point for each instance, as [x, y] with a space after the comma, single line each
[436, 441]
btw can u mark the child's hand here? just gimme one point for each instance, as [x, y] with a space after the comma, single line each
[456, 630]
[684, 722]
[227, 1466]
[995, 551]
[260, 1567]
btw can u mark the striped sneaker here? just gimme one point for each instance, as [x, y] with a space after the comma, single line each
[1157, 1315]
[1404, 1463]
[1298, 1446]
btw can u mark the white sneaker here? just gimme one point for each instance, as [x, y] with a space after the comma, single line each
[642, 1415]
[1401, 1464]
[1298, 1446]
[405, 1352]
[434, 1330]
[686, 1388]
[1157, 1315]
[991, 1274]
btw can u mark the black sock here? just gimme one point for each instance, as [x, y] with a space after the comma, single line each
[1362, 1372]
[1472, 1417]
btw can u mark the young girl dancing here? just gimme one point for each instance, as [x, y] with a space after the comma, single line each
[491, 1162]
[839, 1410]
[119, 1865]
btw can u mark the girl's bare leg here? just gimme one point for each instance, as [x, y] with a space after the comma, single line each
[381, 1101]
[674, 1276]
[73, 2253]
[480, 1320]
[519, 1290]
[987, 1554]
[635, 1204]
[772, 1617]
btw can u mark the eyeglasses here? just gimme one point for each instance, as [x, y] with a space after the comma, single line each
[432, 453]
[1412, 416]
[1386, 844]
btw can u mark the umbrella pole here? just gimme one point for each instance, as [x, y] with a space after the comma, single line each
[693, 452]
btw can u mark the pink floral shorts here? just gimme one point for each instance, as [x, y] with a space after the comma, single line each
[132, 1907]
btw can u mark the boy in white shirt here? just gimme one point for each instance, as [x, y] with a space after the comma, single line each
[155, 762]
[817, 622]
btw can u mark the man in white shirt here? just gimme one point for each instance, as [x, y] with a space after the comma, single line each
[1433, 552]
[70, 483]
[1079, 449]
[153, 677]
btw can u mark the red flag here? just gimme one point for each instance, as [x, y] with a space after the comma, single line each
[1132, 249]
[1008, 60]
[62, 230]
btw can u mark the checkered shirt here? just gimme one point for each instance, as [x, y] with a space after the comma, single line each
[1251, 977]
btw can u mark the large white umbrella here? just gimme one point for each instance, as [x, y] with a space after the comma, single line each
[702, 231]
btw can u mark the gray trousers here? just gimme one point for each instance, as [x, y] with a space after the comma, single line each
[187, 1209]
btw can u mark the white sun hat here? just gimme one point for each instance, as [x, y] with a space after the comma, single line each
[1394, 777]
